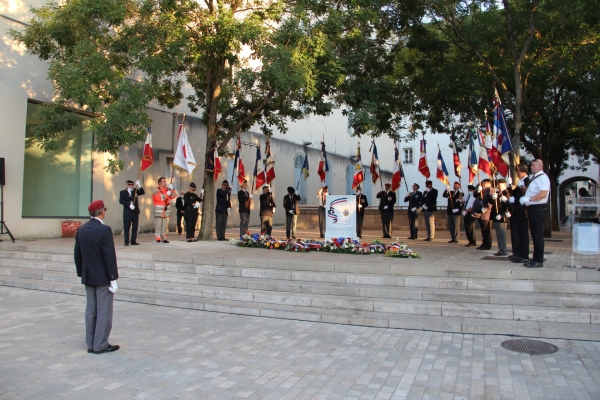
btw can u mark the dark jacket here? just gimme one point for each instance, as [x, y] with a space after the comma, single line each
[180, 204]
[362, 200]
[291, 203]
[223, 200]
[386, 199]
[244, 201]
[517, 193]
[430, 200]
[95, 256]
[486, 204]
[454, 202]
[501, 208]
[189, 199]
[125, 199]
[414, 200]
[266, 205]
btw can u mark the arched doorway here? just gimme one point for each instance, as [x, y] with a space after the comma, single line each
[567, 192]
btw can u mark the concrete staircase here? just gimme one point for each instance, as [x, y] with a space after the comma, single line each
[371, 291]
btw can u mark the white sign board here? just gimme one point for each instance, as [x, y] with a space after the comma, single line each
[340, 215]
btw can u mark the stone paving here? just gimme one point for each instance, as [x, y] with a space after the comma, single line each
[177, 353]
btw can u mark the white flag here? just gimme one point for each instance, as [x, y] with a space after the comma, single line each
[184, 158]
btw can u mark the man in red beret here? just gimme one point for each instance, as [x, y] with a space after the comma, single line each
[96, 264]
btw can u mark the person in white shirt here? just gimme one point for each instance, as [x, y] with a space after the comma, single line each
[536, 200]
[322, 196]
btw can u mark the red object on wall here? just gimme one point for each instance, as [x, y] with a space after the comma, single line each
[69, 228]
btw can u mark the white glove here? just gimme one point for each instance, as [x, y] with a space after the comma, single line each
[168, 192]
[197, 204]
[359, 205]
[508, 215]
[113, 287]
[170, 186]
[498, 217]
[521, 183]
[250, 195]
[132, 207]
[511, 200]
[448, 187]
[291, 212]
[495, 196]
[137, 183]
[385, 207]
[509, 180]
[202, 192]
[274, 209]
[413, 209]
[503, 198]
[229, 209]
[424, 207]
[464, 213]
[524, 200]
[455, 210]
[479, 188]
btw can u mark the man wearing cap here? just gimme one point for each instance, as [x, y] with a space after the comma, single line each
[162, 197]
[267, 209]
[536, 199]
[131, 210]
[519, 224]
[483, 211]
[414, 203]
[453, 210]
[361, 204]
[387, 199]
[192, 204]
[180, 207]
[322, 196]
[96, 264]
[500, 215]
[222, 209]
[429, 207]
[290, 204]
[467, 213]
[244, 200]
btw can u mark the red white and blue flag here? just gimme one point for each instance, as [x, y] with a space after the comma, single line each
[359, 175]
[323, 164]
[239, 164]
[397, 173]
[456, 159]
[374, 168]
[442, 171]
[148, 155]
[484, 158]
[472, 158]
[423, 168]
[259, 173]
[270, 164]
[504, 146]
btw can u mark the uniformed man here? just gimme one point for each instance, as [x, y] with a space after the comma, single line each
[536, 199]
[482, 210]
[162, 197]
[499, 217]
[469, 220]
[322, 196]
[414, 204]
[222, 209]
[131, 210]
[192, 205]
[519, 223]
[244, 207]
[267, 209]
[290, 204]
[453, 210]
[361, 204]
[429, 207]
[180, 207]
[387, 199]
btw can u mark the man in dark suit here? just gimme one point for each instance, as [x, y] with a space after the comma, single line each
[244, 200]
[290, 204]
[192, 204]
[180, 206]
[519, 233]
[387, 199]
[131, 210]
[414, 203]
[453, 210]
[361, 204]
[267, 209]
[222, 209]
[429, 207]
[96, 264]
[483, 212]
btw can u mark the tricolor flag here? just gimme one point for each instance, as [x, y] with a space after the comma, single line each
[374, 168]
[423, 168]
[259, 173]
[270, 165]
[484, 161]
[305, 169]
[239, 164]
[323, 164]
[504, 146]
[359, 175]
[184, 157]
[456, 159]
[216, 162]
[472, 158]
[148, 155]
[442, 172]
[397, 173]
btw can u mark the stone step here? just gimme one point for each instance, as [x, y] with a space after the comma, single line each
[458, 324]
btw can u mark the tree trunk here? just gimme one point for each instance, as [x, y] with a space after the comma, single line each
[208, 205]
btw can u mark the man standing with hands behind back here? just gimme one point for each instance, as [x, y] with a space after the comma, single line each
[222, 209]
[429, 207]
[244, 200]
[96, 264]
[128, 198]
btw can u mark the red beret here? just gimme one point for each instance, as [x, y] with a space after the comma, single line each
[96, 205]
[388, 184]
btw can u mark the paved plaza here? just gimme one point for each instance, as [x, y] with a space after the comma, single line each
[176, 353]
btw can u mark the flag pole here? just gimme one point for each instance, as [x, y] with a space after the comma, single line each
[235, 165]
[401, 168]
[173, 166]
[447, 183]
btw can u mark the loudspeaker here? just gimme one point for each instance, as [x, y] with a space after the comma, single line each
[2, 174]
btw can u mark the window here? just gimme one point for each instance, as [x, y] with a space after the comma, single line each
[299, 178]
[57, 184]
[408, 155]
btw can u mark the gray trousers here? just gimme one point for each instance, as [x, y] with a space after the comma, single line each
[453, 222]
[500, 228]
[220, 224]
[290, 225]
[244, 220]
[429, 218]
[98, 316]
[386, 222]
[321, 214]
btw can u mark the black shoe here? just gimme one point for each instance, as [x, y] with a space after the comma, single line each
[483, 248]
[221, 239]
[135, 244]
[470, 245]
[165, 241]
[90, 351]
[387, 237]
[520, 260]
[109, 349]
[293, 237]
[411, 238]
[322, 236]
[126, 244]
[534, 264]
[498, 254]
[514, 257]
[427, 240]
[360, 236]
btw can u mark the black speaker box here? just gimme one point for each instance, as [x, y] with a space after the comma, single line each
[2, 172]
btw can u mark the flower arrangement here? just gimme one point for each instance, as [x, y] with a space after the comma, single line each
[335, 245]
